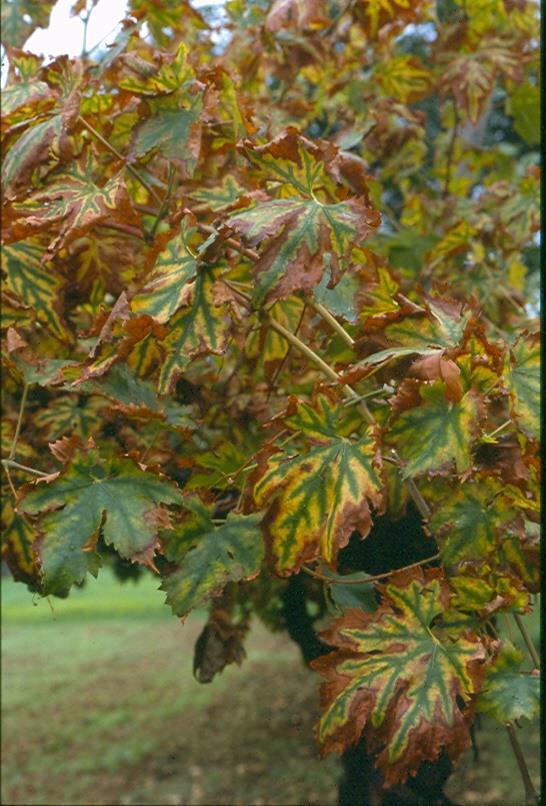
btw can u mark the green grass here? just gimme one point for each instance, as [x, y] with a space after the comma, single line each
[100, 706]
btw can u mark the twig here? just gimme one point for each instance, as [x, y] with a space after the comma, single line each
[10, 482]
[341, 581]
[128, 229]
[529, 644]
[334, 324]
[284, 359]
[120, 156]
[451, 149]
[11, 463]
[19, 422]
[531, 796]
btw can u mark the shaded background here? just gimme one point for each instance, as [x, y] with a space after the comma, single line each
[100, 707]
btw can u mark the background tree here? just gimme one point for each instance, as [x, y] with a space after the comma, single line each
[269, 329]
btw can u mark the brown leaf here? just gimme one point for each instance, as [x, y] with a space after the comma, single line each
[219, 644]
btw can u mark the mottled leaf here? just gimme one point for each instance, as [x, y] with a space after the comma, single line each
[523, 375]
[508, 693]
[469, 519]
[115, 494]
[398, 678]
[35, 283]
[198, 328]
[211, 557]
[316, 499]
[445, 431]
[168, 286]
[72, 203]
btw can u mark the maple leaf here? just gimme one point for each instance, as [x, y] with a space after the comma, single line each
[17, 539]
[175, 132]
[74, 202]
[306, 236]
[138, 398]
[34, 282]
[469, 520]
[46, 141]
[106, 258]
[26, 90]
[266, 342]
[89, 494]
[209, 556]
[398, 678]
[166, 289]
[198, 328]
[377, 13]
[69, 415]
[507, 693]
[147, 79]
[523, 377]
[446, 431]
[21, 17]
[219, 197]
[403, 78]
[315, 500]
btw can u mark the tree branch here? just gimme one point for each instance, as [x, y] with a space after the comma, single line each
[342, 581]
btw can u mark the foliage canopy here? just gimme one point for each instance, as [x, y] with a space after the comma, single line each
[270, 273]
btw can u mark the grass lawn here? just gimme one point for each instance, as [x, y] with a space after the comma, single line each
[100, 707]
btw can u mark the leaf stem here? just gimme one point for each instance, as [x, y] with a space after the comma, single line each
[529, 644]
[19, 422]
[531, 796]
[145, 184]
[333, 580]
[334, 324]
[26, 468]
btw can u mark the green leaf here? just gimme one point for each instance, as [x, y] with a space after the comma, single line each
[445, 431]
[175, 132]
[21, 17]
[469, 519]
[508, 693]
[523, 103]
[34, 147]
[115, 494]
[523, 380]
[220, 196]
[67, 414]
[34, 282]
[340, 300]
[136, 397]
[219, 465]
[197, 329]
[168, 286]
[308, 238]
[395, 676]
[213, 556]
[315, 500]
